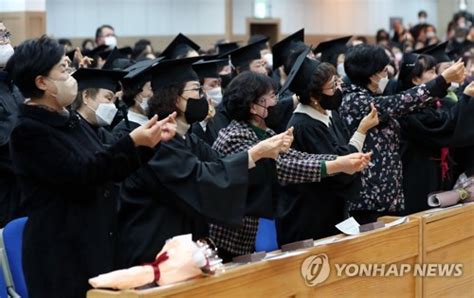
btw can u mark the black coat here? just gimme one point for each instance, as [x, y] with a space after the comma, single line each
[313, 209]
[66, 177]
[181, 190]
[10, 97]
[424, 134]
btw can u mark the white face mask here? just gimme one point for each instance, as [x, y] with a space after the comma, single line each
[105, 114]
[111, 41]
[382, 83]
[269, 59]
[216, 95]
[144, 105]
[398, 56]
[422, 20]
[6, 51]
[340, 70]
[66, 91]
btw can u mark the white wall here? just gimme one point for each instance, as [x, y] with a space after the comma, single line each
[337, 17]
[80, 18]
[22, 5]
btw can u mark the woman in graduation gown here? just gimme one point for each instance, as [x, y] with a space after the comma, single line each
[317, 207]
[65, 176]
[187, 185]
[250, 101]
[430, 134]
[136, 92]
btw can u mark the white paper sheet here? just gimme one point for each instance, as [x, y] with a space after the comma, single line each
[349, 226]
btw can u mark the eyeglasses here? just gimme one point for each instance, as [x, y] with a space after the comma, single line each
[199, 89]
[265, 99]
[334, 84]
[5, 34]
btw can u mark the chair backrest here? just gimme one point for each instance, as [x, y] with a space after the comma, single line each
[3, 286]
[13, 241]
[266, 236]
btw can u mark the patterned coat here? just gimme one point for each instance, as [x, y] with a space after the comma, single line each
[382, 189]
[292, 167]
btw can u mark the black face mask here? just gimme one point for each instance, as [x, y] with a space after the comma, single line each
[226, 79]
[332, 102]
[196, 109]
[274, 115]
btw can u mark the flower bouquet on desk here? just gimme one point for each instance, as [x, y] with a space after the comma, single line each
[180, 259]
[463, 192]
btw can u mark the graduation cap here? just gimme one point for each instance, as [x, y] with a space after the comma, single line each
[99, 50]
[458, 52]
[331, 49]
[170, 72]
[300, 74]
[244, 55]
[209, 68]
[439, 53]
[140, 71]
[407, 64]
[179, 47]
[127, 51]
[424, 49]
[223, 48]
[98, 78]
[70, 54]
[116, 60]
[257, 38]
[282, 49]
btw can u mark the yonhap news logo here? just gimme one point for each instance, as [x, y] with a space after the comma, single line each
[315, 270]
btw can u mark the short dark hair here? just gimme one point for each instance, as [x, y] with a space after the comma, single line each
[321, 75]
[164, 100]
[139, 47]
[130, 90]
[422, 64]
[32, 58]
[85, 41]
[243, 90]
[422, 13]
[381, 35]
[98, 32]
[65, 41]
[77, 103]
[363, 61]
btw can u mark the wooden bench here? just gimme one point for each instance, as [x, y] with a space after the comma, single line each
[283, 277]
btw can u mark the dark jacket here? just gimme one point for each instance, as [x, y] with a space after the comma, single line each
[66, 177]
[10, 97]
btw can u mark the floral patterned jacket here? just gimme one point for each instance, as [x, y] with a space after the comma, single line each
[382, 189]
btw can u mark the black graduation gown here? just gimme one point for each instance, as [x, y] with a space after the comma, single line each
[181, 190]
[208, 136]
[66, 177]
[221, 119]
[10, 97]
[286, 107]
[123, 128]
[424, 133]
[312, 209]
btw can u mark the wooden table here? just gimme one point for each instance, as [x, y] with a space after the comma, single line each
[448, 238]
[283, 277]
